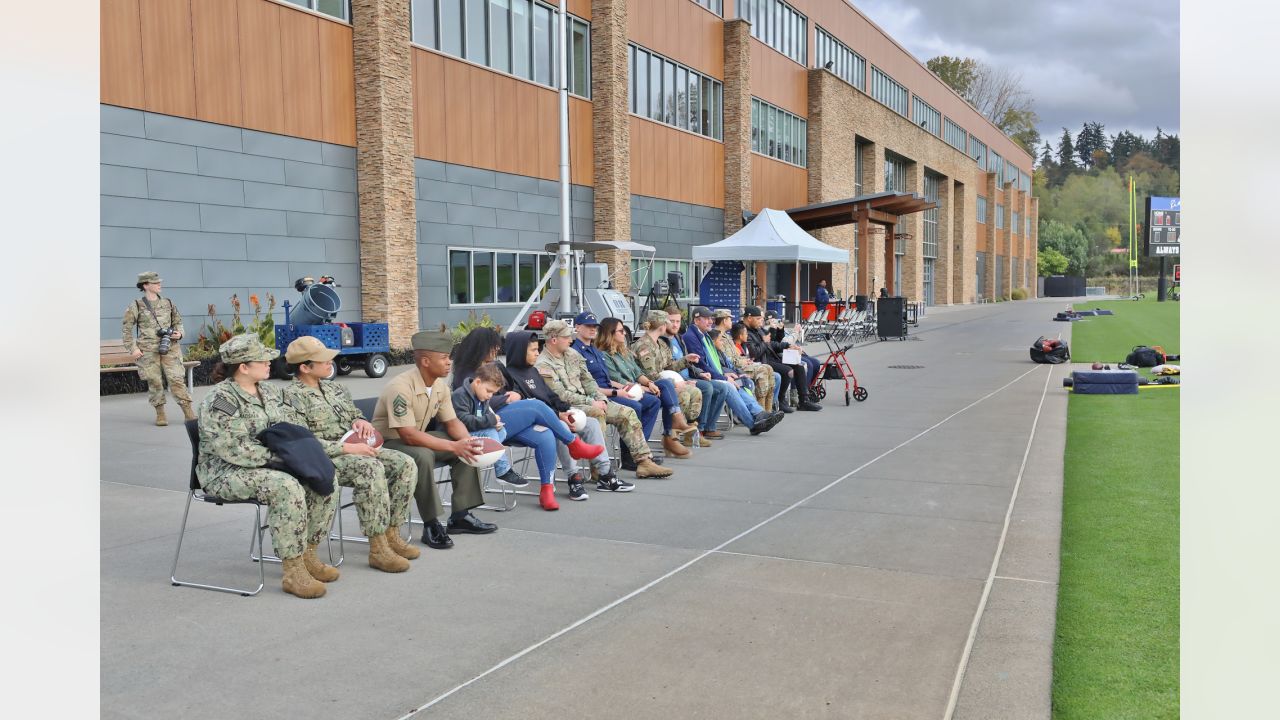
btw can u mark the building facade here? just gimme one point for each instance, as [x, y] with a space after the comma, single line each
[410, 149]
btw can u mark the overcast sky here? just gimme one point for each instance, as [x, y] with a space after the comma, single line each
[1101, 61]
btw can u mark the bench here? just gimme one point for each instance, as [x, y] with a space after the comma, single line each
[113, 358]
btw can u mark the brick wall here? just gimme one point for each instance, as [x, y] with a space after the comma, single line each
[218, 210]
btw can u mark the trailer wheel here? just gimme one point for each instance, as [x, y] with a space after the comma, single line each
[343, 365]
[860, 393]
[376, 365]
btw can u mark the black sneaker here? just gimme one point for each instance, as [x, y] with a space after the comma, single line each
[513, 478]
[610, 482]
[576, 490]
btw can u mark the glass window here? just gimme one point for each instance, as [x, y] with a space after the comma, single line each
[674, 94]
[669, 92]
[482, 276]
[477, 51]
[777, 133]
[451, 27]
[771, 132]
[333, 8]
[505, 271]
[423, 17]
[755, 125]
[520, 38]
[682, 98]
[655, 88]
[460, 276]
[580, 54]
[499, 31]
[528, 276]
[542, 54]
[695, 102]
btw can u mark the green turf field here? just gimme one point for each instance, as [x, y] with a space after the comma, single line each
[1116, 649]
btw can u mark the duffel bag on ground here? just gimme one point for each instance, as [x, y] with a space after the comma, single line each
[1049, 352]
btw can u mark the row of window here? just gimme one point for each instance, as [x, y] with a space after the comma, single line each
[925, 116]
[674, 94]
[982, 209]
[779, 134]
[932, 187]
[777, 25]
[333, 8]
[999, 216]
[845, 63]
[490, 277]
[888, 91]
[715, 6]
[895, 179]
[954, 135]
[512, 36]
[1015, 226]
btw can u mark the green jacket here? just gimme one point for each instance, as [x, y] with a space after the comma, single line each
[622, 367]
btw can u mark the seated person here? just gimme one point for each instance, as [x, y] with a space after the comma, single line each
[381, 480]
[586, 329]
[415, 416]
[696, 337]
[738, 337]
[566, 373]
[761, 375]
[533, 425]
[765, 348]
[524, 381]
[623, 370]
[713, 394]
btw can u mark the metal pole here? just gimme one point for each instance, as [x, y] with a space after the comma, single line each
[797, 298]
[566, 278]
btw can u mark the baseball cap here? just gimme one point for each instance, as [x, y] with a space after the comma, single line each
[700, 311]
[308, 349]
[586, 318]
[752, 311]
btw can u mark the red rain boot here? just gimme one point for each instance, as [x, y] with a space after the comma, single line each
[547, 496]
[579, 450]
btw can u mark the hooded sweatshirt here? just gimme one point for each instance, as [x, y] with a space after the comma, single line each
[523, 377]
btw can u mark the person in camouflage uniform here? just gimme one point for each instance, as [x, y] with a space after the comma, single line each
[760, 374]
[382, 479]
[654, 355]
[567, 375]
[146, 316]
[232, 463]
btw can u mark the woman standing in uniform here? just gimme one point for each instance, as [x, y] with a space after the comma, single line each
[156, 348]
[232, 461]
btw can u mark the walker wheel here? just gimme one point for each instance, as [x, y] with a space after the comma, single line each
[860, 393]
[819, 391]
[846, 398]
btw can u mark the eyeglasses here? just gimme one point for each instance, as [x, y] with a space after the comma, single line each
[620, 331]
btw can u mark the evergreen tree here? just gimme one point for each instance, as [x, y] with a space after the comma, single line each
[1046, 155]
[1066, 152]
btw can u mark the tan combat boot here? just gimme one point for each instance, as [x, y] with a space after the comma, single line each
[187, 413]
[297, 581]
[647, 468]
[703, 442]
[161, 420]
[399, 546]
[674, 449]
[382, 557]
[317, 569]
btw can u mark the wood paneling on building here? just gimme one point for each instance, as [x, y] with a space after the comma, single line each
[470, 115]
[777, 185]
[681, 30]
[676, 165]
[250, 63]
[777, 79]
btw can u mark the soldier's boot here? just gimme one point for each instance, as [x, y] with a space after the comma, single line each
[297, 581]
[317, 569]
[161, 420]
[187, 413]
[647, 468]
[673, 448]
[382, 557]
[399, 546]
[682, 430]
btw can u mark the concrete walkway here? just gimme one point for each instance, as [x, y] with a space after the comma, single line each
[893, 559]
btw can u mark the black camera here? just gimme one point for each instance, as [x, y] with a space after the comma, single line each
[165, 341]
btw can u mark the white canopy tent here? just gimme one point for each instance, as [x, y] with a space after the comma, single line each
[772, 236]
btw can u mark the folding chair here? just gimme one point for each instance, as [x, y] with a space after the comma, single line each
[256, 554]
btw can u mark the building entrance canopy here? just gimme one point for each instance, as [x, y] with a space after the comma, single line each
[884, 208]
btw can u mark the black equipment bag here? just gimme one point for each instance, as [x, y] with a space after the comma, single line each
[1049, 352]
[1143, 356]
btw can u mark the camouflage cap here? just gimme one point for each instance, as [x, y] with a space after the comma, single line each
[245, 348]
[308, 349]
[433, 341]
[721, 313]
[557, 328]
[149, 276]
[656, 319]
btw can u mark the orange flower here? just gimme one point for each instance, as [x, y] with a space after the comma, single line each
[253, 300]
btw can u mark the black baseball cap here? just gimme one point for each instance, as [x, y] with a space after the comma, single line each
[752, 311]
[699, 311]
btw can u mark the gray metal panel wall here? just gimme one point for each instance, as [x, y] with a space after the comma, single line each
[220, 210]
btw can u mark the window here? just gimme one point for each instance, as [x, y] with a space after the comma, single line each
[511, 36]
[978, 151]
[777, 25]
[888, 91]
[494, 277]
[858, 169]
[925, 116]
[954, 135]
[332, 8]
[982, 209]
[999, 216]
[932, 187]
[715, 6]
[673, 94]
[995, 164]
[1015, 226]
[778, 134]
[845, 63]
[895, 179]
[1028, 226]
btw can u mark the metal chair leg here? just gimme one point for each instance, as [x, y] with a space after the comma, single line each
[262, 572]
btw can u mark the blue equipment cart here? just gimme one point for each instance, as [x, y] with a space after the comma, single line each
[359, 344]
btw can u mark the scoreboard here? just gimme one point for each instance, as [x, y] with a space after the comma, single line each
[1164, 226]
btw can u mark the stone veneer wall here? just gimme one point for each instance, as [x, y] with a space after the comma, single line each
[464, 207]
[220, 210]
[611, 133]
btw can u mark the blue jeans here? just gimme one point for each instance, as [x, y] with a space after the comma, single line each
[500, 434]
[522, 419]
[812, 363]
[737, 405]
[647, 408]
[713, 399]
[777, 385]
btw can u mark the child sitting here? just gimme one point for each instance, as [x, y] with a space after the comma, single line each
[471, 404]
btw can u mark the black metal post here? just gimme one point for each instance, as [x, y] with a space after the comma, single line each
[1162, 288]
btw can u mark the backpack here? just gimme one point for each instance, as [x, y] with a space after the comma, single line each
[1143, 356]
[1049, 352]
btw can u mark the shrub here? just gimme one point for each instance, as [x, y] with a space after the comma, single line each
[472, 322]
[1019, 294]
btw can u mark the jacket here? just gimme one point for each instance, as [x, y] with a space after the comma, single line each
[473, 413]
[524, 378]
[299, 453]
[693, 338]
[762, 349]
[623, 367]
[595, 360]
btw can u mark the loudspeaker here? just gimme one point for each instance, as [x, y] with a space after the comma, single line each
[860, 302]
[891, 317]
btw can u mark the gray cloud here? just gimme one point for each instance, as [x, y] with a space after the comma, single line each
[1088, 60]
